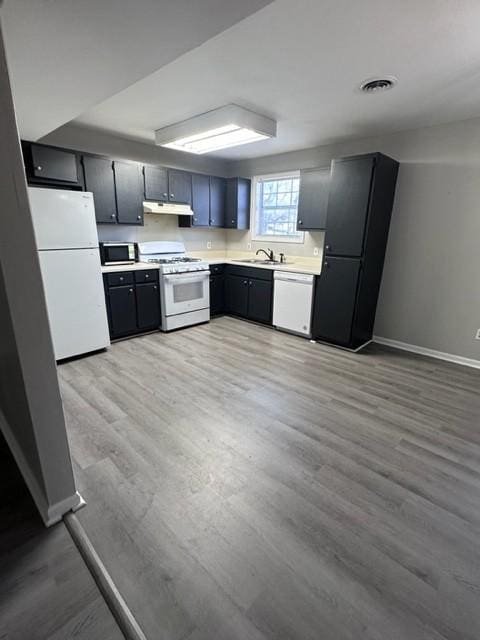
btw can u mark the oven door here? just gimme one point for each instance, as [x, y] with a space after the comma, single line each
[184, 292]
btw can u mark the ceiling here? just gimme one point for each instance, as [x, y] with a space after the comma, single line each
[297, 61]
[65, 56]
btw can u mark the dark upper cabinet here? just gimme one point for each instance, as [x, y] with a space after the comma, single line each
[179, 186]
[236, 295]
[237, 204]
[260, 300]
[99, 179]
[217, 201]
[348, 205]
[313, 199]
[217, 298]
[156, 183]
[52, 166]
[122, 310]
[200, 201]
[148, 306]
[129, 190]
[335, 300]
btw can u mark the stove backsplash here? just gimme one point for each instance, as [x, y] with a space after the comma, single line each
[164, 228]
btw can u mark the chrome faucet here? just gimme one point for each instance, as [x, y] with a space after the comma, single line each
[270, 255]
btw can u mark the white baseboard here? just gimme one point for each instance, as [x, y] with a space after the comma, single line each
[440, 355]
[50, 513]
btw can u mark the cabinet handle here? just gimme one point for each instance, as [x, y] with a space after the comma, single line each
[131, 290]
[112, 216]
[139, 217]
[155, 287]
[300, 222]
[121, 278]
[245, 282]
[250, 283]
[39, 168]
[233, 221]
[165, 195]
[326, 264]
[327, 247]
[146, 276]
[172, 195]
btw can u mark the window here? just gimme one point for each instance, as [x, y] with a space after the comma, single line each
[275, 208]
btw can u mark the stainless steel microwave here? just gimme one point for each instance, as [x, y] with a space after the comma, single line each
[118, 252]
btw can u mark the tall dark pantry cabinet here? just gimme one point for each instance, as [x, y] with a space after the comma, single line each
[359, 209]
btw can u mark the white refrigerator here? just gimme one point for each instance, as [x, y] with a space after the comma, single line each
[67, 243]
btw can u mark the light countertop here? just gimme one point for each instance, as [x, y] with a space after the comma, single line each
[295, 264]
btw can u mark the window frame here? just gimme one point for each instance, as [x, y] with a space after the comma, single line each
[285, 239]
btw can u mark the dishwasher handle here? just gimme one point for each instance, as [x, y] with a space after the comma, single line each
[301, 278]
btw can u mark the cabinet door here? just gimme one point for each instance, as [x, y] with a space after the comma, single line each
[335, 300]
[148, 306]
[100, 181]
[217, 201]
[216, 295]
[260, 300]
[123, 310]
[236, 295]
[348, 205]
[129, 190]
[237, 203]
[54, 164]
[179, 186]
[156, 183]
[200, 200]
[313, 199]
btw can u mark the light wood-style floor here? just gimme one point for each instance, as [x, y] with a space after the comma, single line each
[244, 484]
[46, 591]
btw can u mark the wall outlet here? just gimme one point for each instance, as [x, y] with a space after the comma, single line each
[209, 245]
[249, 246]
[477, 335]
[315, 251]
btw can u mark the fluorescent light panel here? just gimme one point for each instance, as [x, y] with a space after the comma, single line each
[221, 128]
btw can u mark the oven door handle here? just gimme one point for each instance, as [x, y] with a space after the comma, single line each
[186, 279]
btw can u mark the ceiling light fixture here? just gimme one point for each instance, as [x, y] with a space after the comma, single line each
[228, 126]
[375, 85]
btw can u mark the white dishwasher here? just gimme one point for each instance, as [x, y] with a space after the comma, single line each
[292, 301]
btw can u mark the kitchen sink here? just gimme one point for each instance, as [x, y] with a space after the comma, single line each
[257, 261]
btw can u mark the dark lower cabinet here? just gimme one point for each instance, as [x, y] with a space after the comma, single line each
[148, 307]
[122, 310]
[260, 300]
[335, 300]
[217, 297]
[133, 302]
[236, 295]
[248, 293]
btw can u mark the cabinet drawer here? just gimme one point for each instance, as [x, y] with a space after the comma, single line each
[249, 272]
[122, 277]
[217, 269]
[146, 275]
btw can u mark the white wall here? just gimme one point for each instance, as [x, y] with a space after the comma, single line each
[430, 294]
[31, 414]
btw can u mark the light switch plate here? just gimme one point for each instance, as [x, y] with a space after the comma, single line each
[209, 245]
[249, 245]
[477, 335]
[315, 251]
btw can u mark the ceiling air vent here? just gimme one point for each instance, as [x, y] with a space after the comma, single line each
[375, 85]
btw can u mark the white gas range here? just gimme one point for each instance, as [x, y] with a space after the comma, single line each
[184, 283]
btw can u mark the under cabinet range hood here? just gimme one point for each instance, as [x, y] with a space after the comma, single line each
[168, 208]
